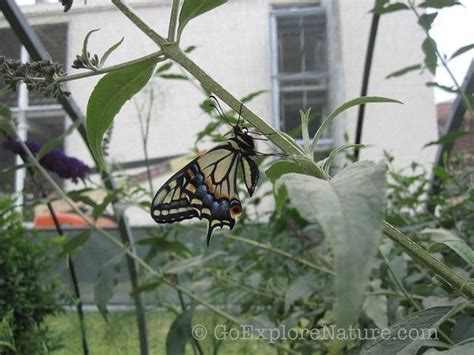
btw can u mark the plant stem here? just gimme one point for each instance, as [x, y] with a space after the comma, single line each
[281, 252]
[173, 21]
[420, 254]
[157, 55]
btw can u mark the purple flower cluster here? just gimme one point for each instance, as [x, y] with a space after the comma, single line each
[55, 160]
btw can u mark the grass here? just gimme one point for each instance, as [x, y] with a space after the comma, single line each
[120, 336]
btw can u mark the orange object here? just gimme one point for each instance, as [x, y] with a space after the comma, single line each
[69, 219]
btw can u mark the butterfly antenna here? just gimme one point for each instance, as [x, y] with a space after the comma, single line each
[219, 110]
[240, 113]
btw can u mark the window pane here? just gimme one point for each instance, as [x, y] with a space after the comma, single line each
[301, 43]
[290, 105]
[54, 38]
[9, 48]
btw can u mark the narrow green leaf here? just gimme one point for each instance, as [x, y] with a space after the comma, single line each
[182, 265]
[189, 49]
[450, 89]
[381, 7]
[462, 50]
[109, 52]
[5, 111]
[403, 71]
[448, 138]
[194, 8]
[74, 243]
[354, 102]
[305, 130]
[164, 67]
[180, 333]
[108, 97]
[57, 141]
[429, 48]
[439, 4]
[145, 288]
[459, 247]
[252, 95]
[100, 208]
[106, 282]
[13, 168]
[85, 45]
[441, 172]
[330, 159]
[174, 76]
[349, 209]
[393, 344]
[301, 288]
[426, 20]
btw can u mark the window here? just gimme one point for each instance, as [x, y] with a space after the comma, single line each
[299, 66]
[40, 119]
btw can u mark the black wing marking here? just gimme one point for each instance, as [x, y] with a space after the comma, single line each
[250, 170]
[205, 188]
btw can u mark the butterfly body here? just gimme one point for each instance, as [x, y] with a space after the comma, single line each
[206, 188]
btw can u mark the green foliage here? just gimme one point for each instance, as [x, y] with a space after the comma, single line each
[194, 8]
[106, 282]
[25, 299]
[349, 210]
[179, 333]
[108, 97]
[354, 102]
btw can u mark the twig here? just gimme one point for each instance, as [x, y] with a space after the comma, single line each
[173, 21]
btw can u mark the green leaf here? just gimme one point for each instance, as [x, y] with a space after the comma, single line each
[450, 89]
[194, 8]
[330, 159]
[85, 45]
[448, 138]
[282, 167]
[162, 245]
[145, 288]
[429, 48]
[109, 52]
[164, 67]
[465, 348]
[426, 20]
[100, 208]
[108, 97]
[381, 7]
[354, 102]
[74, 243]
[57, 141]
[459, 247]
[301, 288]
[186, 264]
[349, 209]
[376, 309]
[252, 95]
[462, 50]
[5, 111]
[189, 49]
[305, 131]
[180, 333]
[173, 76]
[439, 4]
[394, 344]
[441, 172]
[403, 71]
[108, 279]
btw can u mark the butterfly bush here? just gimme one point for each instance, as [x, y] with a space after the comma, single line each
[55, 160]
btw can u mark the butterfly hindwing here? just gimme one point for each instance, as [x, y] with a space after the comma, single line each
[250, 171]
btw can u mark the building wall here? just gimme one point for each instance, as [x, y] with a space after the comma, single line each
[402, 130]
[233, 46]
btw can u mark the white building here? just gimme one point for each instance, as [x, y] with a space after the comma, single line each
[307, 54]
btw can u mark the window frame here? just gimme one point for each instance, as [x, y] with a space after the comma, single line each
[276, 77]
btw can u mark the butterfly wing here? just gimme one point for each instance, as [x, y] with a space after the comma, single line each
[250, 170]
[205, 188]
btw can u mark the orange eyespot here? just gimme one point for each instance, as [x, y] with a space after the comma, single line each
[235, 210]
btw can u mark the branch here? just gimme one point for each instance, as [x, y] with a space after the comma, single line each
[173, 21]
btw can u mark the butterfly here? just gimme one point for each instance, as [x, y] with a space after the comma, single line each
[206, 188]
